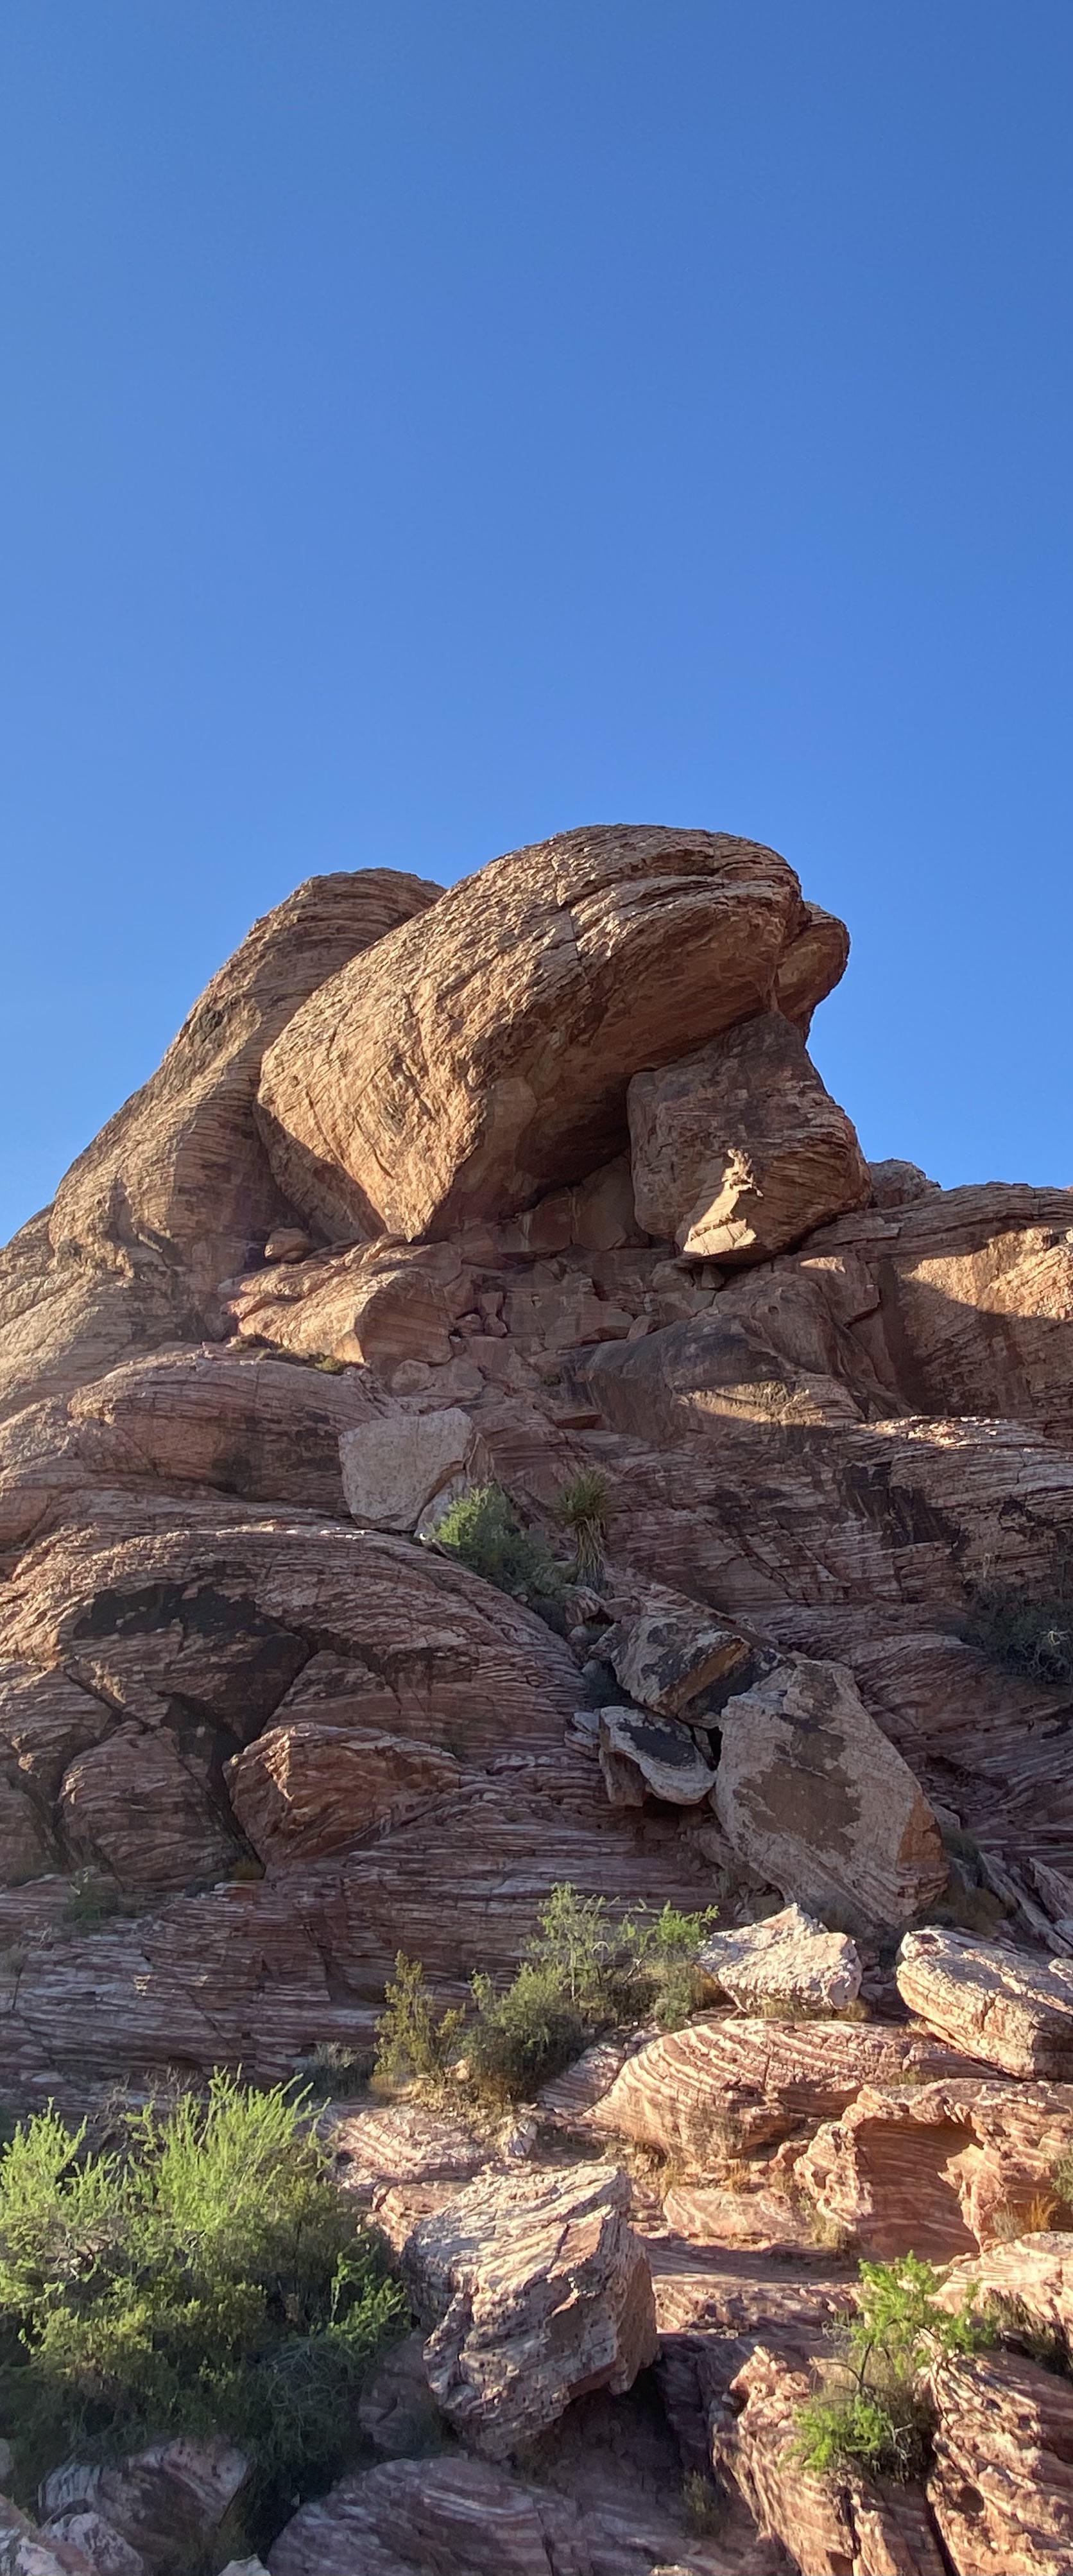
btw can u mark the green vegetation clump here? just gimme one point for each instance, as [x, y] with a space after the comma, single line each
[583, 1972]
[412, 2045]
[877, 2416]
[583, 1506]
[483, 1530]
[1026, 1631]
[204, 2276]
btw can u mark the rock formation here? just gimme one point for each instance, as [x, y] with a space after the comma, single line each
[532, 1184]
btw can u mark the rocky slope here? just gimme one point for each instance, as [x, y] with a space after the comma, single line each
[525, 1179]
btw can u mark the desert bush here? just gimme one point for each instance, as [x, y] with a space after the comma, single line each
[483, 1530]
[583, 1506]
[876, 2414]
[412, 2043]
[583, 1972]
[204, 2276]
[1028, 1630]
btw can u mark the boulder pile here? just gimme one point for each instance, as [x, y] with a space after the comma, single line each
[526, 1197]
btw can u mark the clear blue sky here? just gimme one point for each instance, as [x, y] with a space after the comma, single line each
[428, 424]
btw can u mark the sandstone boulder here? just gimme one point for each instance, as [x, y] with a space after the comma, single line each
[464, 2517]
[789, 1961]
[832, 2526]
[302, 1790]
[738, 1150]
[1004, 2006]
[397, 1463]
[488, 1061]
[402, 2142]
[817, 1800]
[171, 2497]
[939, 2168]
[722, 2087]
[666, 1659]
[1030, 2276]
[897, 1184]
[643, 1756]
[535, 2288]
[27, 2551]
[1001, 2487]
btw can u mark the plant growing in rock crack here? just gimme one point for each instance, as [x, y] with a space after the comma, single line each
[203, 2275]
[1028, 1629]
[876, 2413]
[583, 1506]
[483, 1530]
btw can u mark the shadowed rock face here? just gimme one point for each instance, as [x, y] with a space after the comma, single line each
[488, 1060]
[738, 1151]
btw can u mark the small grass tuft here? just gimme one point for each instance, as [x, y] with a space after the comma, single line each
[584, 1506]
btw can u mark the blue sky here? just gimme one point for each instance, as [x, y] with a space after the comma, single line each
[429, 424]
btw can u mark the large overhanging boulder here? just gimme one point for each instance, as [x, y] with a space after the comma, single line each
[483, 1057]
[739, 1150]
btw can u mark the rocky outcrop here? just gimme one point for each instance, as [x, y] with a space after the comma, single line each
[815, 1798]
[488, 1059]
[535, 2288]
[787, 1961]
[1014, 2011]
[169, 2498]
[937, 2169]
[669, 1658]
[833, 2526]
[738, 1150]
[176, 1191]
[1001, 2488]
[718, 2088]
[464, 2517]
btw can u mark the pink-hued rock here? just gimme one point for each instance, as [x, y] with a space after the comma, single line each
[835, 2525]
[738, 1150]
[1011, 2009]
[535, 2288]
[935, 2169]
[722, 2086]
[1001, 2487]
[435, 1094]
[303, 1790]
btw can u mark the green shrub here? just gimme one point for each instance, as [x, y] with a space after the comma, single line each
[522, 2038]
[412, 2045]
[583, 1506]
[877, 2415]
[582, 1973]
[204, 2276]
[483, 1530]
[1027, 1631]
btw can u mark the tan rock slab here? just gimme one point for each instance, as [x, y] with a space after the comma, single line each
[817, 1800]
[1013, 2010]
[788, 1959]
[738, 1150]
[536, 2288]
[396, 1464]
[488, 1062]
